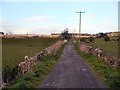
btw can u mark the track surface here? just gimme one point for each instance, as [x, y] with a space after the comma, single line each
[71, 72]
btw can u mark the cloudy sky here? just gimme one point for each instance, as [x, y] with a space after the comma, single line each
[52, 17]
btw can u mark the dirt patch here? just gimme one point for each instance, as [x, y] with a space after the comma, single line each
[83, 47]
[31, 45]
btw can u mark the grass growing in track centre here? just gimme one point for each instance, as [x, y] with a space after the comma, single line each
[14, 49]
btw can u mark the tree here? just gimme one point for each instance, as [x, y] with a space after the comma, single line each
[65, 34]
[91, 39]
[106, 38]
[82, 39]
[118, 39]
[2, 33]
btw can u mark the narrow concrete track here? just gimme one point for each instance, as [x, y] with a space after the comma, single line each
[71, 72]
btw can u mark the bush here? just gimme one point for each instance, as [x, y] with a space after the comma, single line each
[36, 71]
[106, 38]
[28, 78]
[65, 36]
[10, 72]
[37, 75]
[82, 39]
[118, 39]
[91, 39]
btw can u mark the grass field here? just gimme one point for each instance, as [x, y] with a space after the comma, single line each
[14, 49]
[111, 48]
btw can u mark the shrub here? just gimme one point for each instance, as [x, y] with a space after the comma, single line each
[10, 72]
[91, 39]
[37, 75]
[82, 39]
[65, 36]
[106, 38]
[36, 71]
[118, 39]
[27, 78]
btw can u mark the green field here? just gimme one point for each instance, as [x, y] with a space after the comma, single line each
[111, 48]
[14, 49]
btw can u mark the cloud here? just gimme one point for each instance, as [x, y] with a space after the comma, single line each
[48, 29]
[23, 30]
[84, 28]
[93, 29]
[107, 21]
[37, 19]
[34, 21]
[6, 26]
[111, 28]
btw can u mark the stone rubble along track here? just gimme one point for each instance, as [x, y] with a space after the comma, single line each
[71, 72]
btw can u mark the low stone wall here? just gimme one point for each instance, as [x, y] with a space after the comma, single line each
[30, 62]
[110, 60]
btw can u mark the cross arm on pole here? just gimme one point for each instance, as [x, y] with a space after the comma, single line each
[80, 12]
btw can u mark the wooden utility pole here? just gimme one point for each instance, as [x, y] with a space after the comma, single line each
[80, 24]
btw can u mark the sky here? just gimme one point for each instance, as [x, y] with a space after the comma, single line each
[54, 17]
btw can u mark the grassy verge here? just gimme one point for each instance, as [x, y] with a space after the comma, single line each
[108, 75]
[37, 74]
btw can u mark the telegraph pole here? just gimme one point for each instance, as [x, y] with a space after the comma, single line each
[74, 33]
[80, 24]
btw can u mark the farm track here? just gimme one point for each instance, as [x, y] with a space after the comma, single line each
[71, 72]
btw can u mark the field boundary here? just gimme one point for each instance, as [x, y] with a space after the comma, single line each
[110, 60]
